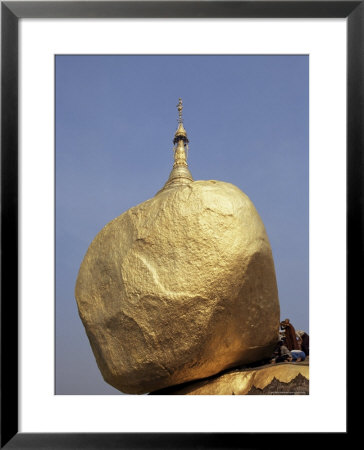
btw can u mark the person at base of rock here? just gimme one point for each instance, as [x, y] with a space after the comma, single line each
[296, 356]
[290, 335]
[281, 354]
[304, 341]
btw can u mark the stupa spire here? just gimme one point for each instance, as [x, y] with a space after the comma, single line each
[180, 173]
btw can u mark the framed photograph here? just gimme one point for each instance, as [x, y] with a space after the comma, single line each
[85, 96]
[245, 124]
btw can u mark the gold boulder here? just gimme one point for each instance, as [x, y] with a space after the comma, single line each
[179, 288]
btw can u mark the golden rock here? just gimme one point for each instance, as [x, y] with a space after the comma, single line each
[241, 382]
[179, 288]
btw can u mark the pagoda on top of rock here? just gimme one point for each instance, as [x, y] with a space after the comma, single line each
[180, 173]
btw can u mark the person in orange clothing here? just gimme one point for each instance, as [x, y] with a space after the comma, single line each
[290, 334]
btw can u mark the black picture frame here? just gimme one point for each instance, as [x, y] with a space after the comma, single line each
[11, 12]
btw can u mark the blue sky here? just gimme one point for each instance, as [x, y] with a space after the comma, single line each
[247, 121]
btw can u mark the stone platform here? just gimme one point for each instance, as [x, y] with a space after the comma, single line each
[270, 379]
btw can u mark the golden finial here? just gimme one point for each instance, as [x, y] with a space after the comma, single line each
[181, 132]
[180, 108]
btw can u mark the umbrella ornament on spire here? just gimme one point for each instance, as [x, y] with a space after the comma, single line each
[180, 108]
